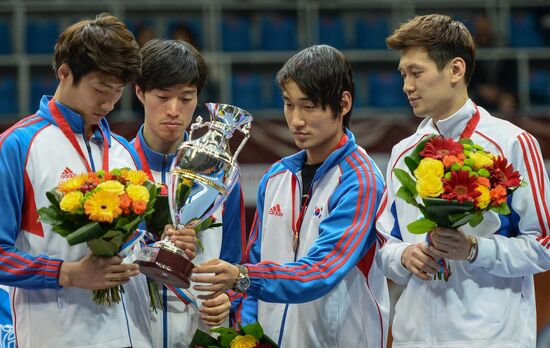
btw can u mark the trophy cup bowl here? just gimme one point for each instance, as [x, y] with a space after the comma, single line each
[201, 177]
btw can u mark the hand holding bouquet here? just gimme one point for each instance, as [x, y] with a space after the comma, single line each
[102, 209]
[457, 182]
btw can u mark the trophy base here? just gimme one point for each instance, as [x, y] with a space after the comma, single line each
[165, 266]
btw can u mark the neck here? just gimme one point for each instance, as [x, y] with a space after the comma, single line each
[58, 97]
[455, 105]
[320, 154]
[158, 145]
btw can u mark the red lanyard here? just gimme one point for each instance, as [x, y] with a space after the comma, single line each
[471, 126]
[298, 225]
[69, 134]
[144, 164]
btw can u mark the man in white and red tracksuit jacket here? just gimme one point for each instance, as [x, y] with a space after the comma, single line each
[488, 300]
[51, 282]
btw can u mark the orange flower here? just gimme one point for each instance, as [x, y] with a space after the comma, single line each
[449, 160]
[139, 206]
[125, 203]
[102, 206]
[498, 195]
[483, 181]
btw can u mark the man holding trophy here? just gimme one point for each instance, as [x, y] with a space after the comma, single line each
[311, 279]
[173, 74]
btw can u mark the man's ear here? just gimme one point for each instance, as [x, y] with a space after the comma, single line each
[64, 72]
[140, 94]
[346, 102]
[458, 69]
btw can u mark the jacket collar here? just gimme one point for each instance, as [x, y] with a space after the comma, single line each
[296, 162]
[157, 161]
[452, 126]
[75, 121]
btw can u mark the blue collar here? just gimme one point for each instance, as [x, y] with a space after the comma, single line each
[296, 162]
[75, 121]
[157, 161]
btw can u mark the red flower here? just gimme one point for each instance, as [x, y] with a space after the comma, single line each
[504, 174]
[263, 345]
[461, 186]
[438, 147]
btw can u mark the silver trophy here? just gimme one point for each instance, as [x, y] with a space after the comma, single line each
[202, 175]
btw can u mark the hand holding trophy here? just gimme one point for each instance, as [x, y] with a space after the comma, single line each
[202, 175]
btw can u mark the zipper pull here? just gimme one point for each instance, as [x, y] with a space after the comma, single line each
[295, 242]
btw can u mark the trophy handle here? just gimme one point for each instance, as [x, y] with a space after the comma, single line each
[245, 129]
[196, 125]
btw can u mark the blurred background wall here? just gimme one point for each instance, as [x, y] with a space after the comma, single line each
[246, 42]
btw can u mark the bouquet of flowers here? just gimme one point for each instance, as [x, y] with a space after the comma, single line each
[102, 209]
[456, 182]
[249, 336]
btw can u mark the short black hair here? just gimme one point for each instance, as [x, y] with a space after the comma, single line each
[171, 62]
[322, 73]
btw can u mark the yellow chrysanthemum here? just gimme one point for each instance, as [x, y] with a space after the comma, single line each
[484, 199]
[71, 202]
[481, 159]
[429, 167]
[137, 193]
[136, 177]
[429, 186]
[112, 186]
[246, 341]
[103, 206]
[72, 184]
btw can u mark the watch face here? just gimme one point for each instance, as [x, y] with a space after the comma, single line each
[242, 284]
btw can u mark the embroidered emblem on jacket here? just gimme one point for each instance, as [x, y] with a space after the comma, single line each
[67, 173]
[276, 210]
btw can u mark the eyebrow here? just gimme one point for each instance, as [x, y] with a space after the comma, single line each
[410, 66]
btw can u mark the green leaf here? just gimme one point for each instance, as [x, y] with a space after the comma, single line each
[161, 217]
[101, 247]
[405, 180]
[225, 340]
[411, 163]
[50, 216]
[201, 338]
[415, 155]
[476, 219]
[421, 226]
[85, 233]
[406, 195]
[254, 329]
[224, 330]
[502, 209]
[460, 219]
[439, 210]
[54, 197]
[62, 231]
[131, 226]
[466, 141]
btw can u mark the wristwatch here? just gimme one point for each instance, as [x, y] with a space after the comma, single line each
[243, 281]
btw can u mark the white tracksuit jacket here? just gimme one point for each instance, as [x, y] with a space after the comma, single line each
[489, 302]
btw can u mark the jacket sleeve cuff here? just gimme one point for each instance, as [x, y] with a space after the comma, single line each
[486, 253]
[51, 273]
[256, 278]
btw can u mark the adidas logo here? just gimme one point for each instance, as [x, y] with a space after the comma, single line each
[276, 210]
[67, 173]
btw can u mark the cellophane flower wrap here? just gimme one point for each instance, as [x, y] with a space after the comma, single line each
[249, 336]
[103, 210]
[454, 183]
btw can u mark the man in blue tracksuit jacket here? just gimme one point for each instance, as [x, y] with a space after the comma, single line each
[311, 279]
[173, 74]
